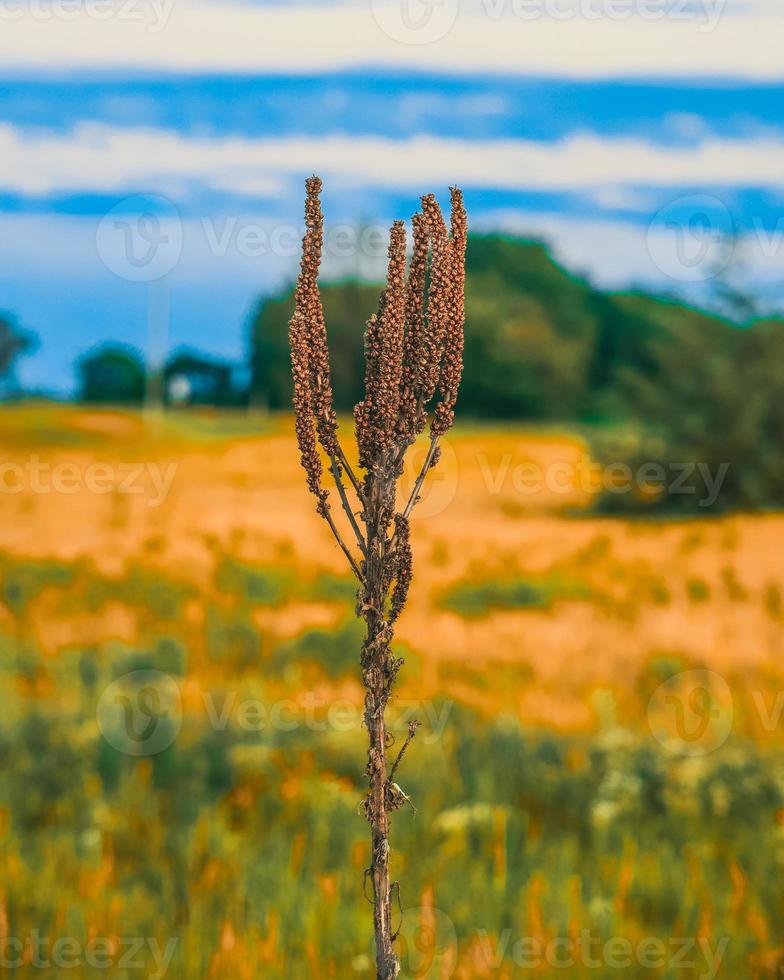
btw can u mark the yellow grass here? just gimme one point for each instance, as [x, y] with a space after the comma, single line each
[242, 494]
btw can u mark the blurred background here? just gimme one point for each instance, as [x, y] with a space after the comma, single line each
[593, 641]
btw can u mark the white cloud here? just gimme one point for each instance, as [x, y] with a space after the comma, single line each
[105, 159]
[686, 125]
[614, 198]
[566, 38]
[415, 108]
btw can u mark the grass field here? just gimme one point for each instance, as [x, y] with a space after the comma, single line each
[181, 726]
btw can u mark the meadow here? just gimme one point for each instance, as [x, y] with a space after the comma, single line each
[181, 733]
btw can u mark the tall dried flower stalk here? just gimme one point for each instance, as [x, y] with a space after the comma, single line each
[413, 365]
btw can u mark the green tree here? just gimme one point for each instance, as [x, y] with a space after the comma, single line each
[530, 335]
[347, 305]
[711, 397]
[112, 374]
[14, 342]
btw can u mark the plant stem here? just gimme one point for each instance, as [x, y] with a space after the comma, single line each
[346, 504]
[387, 966]
[379, 668]
[421, 478]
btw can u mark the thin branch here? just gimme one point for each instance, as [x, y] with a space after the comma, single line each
[412, 730]
[327, 514]
[347, 505]
[421, 478]
[341, 456]
[395, 887]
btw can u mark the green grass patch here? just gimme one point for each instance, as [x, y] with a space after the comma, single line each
[698, 590]
[23, 581]
[329, 587]
[262, 585]
[336, 650]
[472, 599]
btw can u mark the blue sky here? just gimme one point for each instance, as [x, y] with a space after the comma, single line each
[643, 138]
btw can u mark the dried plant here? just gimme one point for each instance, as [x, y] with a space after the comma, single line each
[413, 365]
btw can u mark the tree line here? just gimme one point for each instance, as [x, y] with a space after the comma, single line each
[647, 378]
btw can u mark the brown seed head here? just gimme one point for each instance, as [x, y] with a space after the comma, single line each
[307, 300]
[303, 407]
[452, 364]
[377, 414]
[412, 415]
[437, 302]
[403, 566]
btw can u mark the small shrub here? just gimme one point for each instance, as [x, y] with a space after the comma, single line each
[471, 599]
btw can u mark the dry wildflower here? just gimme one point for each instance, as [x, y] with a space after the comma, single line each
[452, 364]
[412, 413]
[307, 300]
[392, 325]
[438, 301]
[413, 352]
[303, 406]
[364, 417]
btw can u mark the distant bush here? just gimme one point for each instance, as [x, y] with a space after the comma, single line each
[112, 374]
[259, 584]
[710, 404]
[335, 650]
[471, 598]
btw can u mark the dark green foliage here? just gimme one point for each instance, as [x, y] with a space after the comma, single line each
[23, 581]
[472, 598]
[328, 587]
[335, 649]
[710, 396]
[207, 380]
[111, 375]
[14, 342]
[346, 308]
[258, 584]
[156, 596]
[544, 345]
[46, 777]
[530, 335]
[540, 343]
[231, 637]
[167, 655]
[698, 590]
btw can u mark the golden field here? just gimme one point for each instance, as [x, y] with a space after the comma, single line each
[701, 590]
[536, 635]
